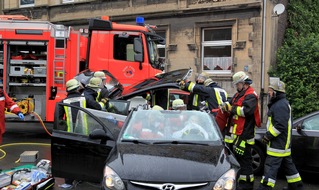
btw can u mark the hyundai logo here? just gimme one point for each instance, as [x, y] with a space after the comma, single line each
[168, 186]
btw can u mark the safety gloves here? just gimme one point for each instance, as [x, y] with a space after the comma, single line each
[21, 116]
[104, 100]
[240, 146]
[181, 83]
[226, 107]
[265, 139]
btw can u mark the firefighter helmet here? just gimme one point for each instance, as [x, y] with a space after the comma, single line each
[99, 74]
[95, 82]
[203, 76]
[178, 103]
[278, 86]
[208, 82]
[156, 107]
[240, 76]
[72, 85]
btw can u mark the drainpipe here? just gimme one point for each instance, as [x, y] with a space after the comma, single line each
[263, 59]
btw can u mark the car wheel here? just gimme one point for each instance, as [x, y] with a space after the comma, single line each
[259, 157]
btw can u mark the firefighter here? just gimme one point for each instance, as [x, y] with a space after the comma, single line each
[242, 115]
[178, 104]
[195, 98]
[91, 92]
[7, 103]
[68, 116]
[278, 140]
[213, 94]
[103, 92]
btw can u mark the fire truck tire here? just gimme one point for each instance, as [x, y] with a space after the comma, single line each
[26, 106]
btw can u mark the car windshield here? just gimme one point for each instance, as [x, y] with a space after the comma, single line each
[171, 126]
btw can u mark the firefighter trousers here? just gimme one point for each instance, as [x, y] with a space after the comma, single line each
[272, 165]
[246, 175]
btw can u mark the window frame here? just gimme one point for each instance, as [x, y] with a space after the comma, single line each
[26, 5]
[216, 43]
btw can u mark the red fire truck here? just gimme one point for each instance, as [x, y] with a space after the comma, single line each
[38, 57]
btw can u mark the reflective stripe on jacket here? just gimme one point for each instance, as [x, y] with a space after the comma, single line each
[71, 113]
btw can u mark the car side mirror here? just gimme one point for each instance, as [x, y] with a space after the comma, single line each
[138, 50]
[299, 127]
[100, 134]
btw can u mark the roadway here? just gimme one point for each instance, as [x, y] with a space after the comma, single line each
[21, 137]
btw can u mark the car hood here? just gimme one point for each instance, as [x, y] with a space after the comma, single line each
[169, 163]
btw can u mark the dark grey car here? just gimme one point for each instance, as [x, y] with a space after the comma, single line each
[305, 145]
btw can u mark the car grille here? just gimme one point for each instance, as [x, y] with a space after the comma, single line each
[167, 186]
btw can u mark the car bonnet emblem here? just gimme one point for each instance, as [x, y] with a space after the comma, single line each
[168, 186]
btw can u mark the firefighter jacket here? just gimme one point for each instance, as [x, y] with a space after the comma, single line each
[102, 93]
[91, 95]
[195, 100]
[213, 94]
[244, 116]
[279, 126]
[6, 103]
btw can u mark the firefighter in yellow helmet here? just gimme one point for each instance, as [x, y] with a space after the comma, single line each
[68, 116]
[91, 92]
[278, 140]
[103, 92]
[240, 116]
[178, 104]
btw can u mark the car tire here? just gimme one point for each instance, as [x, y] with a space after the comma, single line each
[259, 157]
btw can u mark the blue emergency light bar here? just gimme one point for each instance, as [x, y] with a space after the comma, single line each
[140, 21]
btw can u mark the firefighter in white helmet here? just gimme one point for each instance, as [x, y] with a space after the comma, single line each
[240, 116]
[195, 99]
[214, 96]
[278, 140]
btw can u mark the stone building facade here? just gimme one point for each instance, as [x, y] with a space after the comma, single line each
[220, 37]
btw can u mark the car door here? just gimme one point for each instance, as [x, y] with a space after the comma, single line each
[80, 153]
[305, 144]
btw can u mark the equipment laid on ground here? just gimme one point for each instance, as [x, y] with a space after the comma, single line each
[28, 177]
[29, 156]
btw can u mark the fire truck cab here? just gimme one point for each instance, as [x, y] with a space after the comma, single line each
[129, 52]
[36, 59]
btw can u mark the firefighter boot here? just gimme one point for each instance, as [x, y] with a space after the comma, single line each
[294, 186]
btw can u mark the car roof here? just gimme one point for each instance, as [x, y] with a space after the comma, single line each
[161, 81]
[305, 116]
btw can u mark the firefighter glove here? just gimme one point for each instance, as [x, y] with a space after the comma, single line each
[226, 107]
[148, 96]
[21, 116]
[181, 83]
[105, 100]
[240, 147]
[265, 139]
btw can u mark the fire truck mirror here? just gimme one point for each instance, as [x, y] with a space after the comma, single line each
[138, 50]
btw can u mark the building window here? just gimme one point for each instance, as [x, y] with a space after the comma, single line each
[217, 50]
[67, 1]
[26, 3]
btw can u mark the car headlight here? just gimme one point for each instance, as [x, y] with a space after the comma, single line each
[111, 180]
[226, 181]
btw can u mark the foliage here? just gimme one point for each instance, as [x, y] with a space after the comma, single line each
[298, 58]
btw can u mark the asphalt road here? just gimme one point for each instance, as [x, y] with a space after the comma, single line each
[21, 137]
